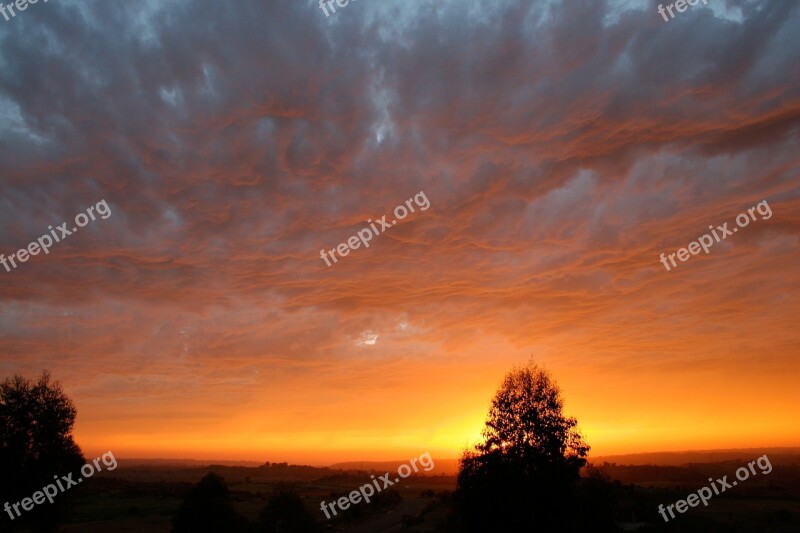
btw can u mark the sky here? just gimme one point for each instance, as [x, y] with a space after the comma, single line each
[562, 147]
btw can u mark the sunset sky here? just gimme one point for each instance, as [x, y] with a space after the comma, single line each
[563, 147]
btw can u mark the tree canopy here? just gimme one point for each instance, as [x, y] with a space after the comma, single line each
[36, 443]
[526, 420]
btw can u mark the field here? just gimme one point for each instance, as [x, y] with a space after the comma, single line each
[145, 497]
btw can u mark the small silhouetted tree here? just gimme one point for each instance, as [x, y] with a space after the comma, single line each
[36, 443]
[522, 477]
[285, 512]
[207, 508]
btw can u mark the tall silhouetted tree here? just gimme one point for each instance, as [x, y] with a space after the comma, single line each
[522, 477]
[36, 443]
[207, 508]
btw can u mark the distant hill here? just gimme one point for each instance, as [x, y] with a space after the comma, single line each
[447, 467]
[776, 456]
[184, 463]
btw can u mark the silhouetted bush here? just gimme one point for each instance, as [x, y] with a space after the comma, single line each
[285, 512]
[595, 503]
[207, 508]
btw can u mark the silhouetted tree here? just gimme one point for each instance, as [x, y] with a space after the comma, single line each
[522, 477]
[36, 443]
[207, 508]
[285, 512]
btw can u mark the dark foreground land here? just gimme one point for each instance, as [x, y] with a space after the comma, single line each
[144, 498]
